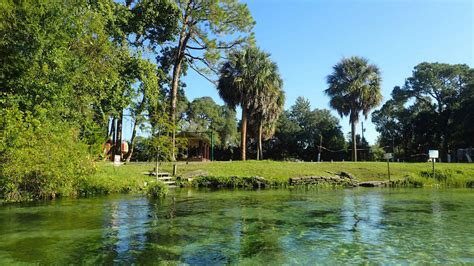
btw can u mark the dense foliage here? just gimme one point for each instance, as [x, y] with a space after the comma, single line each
[433, 110]
[73, 71]
[250, 79]
[66, 70]
[40, 158]
[157, 189]
[301, 131]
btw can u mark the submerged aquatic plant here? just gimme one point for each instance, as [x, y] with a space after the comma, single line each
[157, 189]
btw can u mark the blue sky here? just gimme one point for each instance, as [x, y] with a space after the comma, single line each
[307, 37]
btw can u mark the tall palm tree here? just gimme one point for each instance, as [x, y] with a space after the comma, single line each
[354, 87]
[267, 104]
[242, 78]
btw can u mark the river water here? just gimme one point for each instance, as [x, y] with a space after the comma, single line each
[390, 226]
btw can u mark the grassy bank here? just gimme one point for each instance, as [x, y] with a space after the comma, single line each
[130, 177]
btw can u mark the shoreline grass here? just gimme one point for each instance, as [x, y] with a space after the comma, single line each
[131, 178]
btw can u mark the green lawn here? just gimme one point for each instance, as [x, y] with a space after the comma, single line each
[132, 174]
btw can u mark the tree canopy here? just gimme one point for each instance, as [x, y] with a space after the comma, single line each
[429, 112]
[249, 79]
[354, 87]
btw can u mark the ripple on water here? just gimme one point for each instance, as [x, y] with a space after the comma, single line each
[245, 227]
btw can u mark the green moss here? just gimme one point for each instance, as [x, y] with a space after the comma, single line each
[157, 189]
[231, 182]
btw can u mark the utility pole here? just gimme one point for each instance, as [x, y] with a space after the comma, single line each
[363, 131]
[212, 146]
[362, 141]
[157, 155]
[320, 147]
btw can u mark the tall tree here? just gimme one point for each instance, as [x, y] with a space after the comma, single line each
[60, 71]
[354, 87]
[204, 114]
[140, 24]
[439, 85]
[205, 29]
[429, 111]
[241, 78]
[300, 132]
[267, 103]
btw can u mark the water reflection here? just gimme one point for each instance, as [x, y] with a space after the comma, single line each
[125, 226]
[245, 227]
[362, 217]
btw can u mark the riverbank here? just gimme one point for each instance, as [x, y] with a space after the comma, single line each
[130, 177]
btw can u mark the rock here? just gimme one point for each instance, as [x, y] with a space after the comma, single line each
[373, 184]
[315, 180]
[346, 175]
[190, 175]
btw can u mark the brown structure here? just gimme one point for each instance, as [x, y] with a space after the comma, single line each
[198, 147]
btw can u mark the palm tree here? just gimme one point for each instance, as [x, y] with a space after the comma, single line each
[244, 77]
[267, 104]
[354, 87]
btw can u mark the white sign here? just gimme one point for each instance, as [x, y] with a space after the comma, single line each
[117, 160]
[388, 156]
[433, 154]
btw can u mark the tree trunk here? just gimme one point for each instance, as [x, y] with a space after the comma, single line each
[112, 138]
[259, 146]
[119, 135]
[183, 41]
[243, 138]
[138, 120]
[354, 142]
[174, 99]
[132, 142]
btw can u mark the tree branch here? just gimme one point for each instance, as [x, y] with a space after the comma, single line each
[204, 61]
[199, 72]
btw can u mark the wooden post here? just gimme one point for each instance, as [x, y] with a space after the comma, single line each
[388, 168]
[175, 169]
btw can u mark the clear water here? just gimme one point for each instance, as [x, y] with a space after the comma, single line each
[245, 227]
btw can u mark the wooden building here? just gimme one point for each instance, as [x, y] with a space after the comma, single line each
[198, 146]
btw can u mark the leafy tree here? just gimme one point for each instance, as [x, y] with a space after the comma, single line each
[463, 117]
[300, 132]
[430, 111]
[440, 86]
[139, 24]
[40, 158]
[147, 89]
[205, 28]
[66, 68]
[205, 115]
[354, 87]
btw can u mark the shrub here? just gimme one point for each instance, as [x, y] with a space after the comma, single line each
[440, 175]
[40, 158]
[231, 182]
[157, 189]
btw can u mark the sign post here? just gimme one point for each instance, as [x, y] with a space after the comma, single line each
[117, 160]
[433, 154]
[388, 156]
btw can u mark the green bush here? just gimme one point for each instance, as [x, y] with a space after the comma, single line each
[231, 182]
[40, 158]
[157, 189]
[440, 175]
